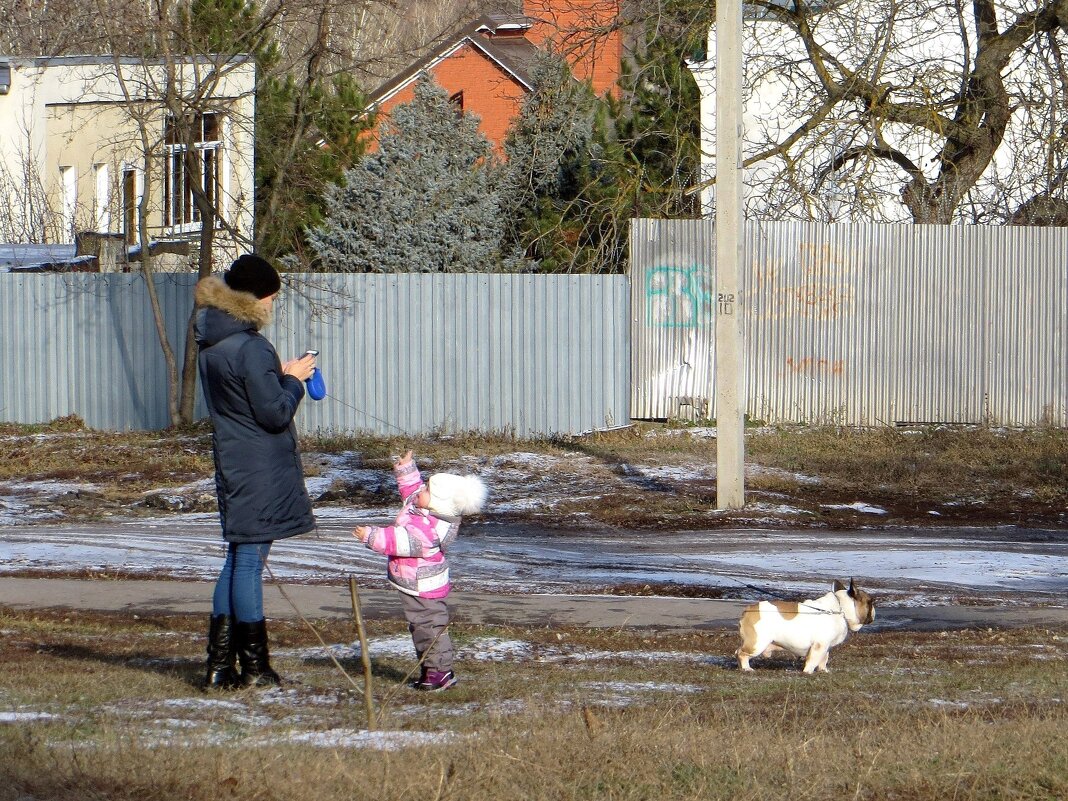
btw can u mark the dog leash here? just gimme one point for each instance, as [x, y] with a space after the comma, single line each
[766, 591]
[336, 399]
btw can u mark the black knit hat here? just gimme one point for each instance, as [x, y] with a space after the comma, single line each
[252, 273]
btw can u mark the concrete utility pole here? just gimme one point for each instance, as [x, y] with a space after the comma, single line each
[730, 350]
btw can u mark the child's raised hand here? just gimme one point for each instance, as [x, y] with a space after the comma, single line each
[404, 460]
[361, 533]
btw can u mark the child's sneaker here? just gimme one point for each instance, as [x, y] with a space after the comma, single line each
[435, 680]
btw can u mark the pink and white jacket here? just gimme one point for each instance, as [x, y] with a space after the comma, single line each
[416, 542]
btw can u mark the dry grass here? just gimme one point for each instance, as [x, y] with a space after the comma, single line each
[121, 466]
[934, 461]
[577, 714]
[966, 475]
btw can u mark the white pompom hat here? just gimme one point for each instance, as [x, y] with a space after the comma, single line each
[454, 495]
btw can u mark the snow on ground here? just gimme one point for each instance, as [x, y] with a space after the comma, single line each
[247, 719]
[857, 506]
[24, 717]
[317, 717]
[909, 566]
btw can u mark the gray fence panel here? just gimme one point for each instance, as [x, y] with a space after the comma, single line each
[860, 324]
[672, 300]
[527, 354]
[85, 344]
[1028, 330]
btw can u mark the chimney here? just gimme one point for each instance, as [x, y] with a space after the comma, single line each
[585, 32]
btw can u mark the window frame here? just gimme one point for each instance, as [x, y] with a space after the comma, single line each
[180, 213]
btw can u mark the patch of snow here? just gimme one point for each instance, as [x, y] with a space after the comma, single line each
[180, 723]
[15, 512]
[492, 649]
[398, 645]
[520, 505]
[485, 649]
[775, 509]
[24, 717]
[938, 703]
[628, 687]
[295, 698]
[858, 506]
[50, 487]
[199, 704]
[700, 432]
[754, 470]
[527, 459]
[670, 472]
[348, 738]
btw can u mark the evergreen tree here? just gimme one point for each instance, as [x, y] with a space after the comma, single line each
[306, 137]
[658, 121]
[427, 200]
[581, 167]
[560, 200]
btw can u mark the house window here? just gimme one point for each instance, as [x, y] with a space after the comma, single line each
[69, 182]
[457, 100]
[179, 210]
[103, 198]
[132, 189]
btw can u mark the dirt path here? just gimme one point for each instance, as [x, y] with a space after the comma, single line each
[325, 601]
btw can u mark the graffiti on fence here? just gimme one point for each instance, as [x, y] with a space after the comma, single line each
[817, 286]
[679, 297]
[816, 367]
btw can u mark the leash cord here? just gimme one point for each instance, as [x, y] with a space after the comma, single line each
[336, 399]
[815, 609]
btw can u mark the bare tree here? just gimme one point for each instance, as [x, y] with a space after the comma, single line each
[28, 215]
[172, 93]
[924, 110]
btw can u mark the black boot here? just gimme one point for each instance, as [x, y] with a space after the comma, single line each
[222, 667]
[251, 641]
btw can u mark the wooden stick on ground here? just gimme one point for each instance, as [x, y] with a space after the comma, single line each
[365, 656]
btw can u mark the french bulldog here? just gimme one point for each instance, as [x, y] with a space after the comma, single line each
[807, 628]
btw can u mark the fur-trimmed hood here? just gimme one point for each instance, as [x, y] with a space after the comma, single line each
[225, 311]
[244, 306]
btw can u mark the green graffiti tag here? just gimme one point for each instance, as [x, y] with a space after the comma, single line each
[678, 297]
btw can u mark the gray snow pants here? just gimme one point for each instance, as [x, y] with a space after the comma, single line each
[428, 619]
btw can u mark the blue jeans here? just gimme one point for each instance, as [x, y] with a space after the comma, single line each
[239, 590]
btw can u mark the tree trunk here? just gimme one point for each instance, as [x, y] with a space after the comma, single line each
[148, 270]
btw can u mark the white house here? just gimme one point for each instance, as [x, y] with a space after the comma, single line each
[81, 137]
[851, 160]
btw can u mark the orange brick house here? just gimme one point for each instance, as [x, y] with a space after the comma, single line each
[485, 66]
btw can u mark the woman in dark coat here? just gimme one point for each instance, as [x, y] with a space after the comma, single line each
[252, 398]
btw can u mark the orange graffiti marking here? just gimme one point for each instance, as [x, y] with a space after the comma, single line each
[811, 365]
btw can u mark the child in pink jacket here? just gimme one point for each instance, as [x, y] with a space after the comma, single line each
[415, 544]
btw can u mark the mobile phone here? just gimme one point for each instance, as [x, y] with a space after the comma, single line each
[311, 353]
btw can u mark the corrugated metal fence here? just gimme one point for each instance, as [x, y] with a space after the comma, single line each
[859, 324]
[850, 324]
[400, 354]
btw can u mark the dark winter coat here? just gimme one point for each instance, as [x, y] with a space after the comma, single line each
[258, 476]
